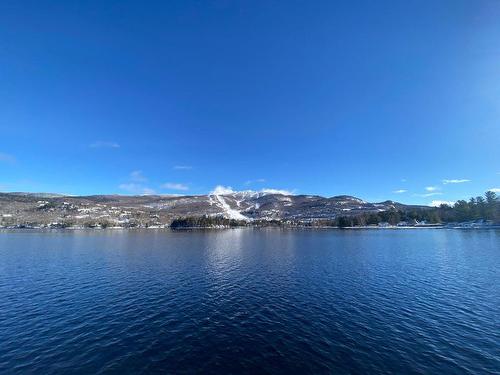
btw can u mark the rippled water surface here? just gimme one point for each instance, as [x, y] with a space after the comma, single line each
[250, 301]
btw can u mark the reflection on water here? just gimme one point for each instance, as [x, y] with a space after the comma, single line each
[249, 301]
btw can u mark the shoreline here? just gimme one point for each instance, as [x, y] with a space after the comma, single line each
[70, 229]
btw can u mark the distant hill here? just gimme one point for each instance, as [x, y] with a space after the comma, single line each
[157, 210]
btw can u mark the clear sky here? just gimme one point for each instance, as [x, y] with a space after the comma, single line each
[377, 99]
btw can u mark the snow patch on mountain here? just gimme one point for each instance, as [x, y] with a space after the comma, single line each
[228, 211]
[223, 196]
[216, 197]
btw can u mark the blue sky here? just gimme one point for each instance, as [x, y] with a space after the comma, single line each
[381, 100]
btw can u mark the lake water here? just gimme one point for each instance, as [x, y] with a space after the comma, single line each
[250, 301]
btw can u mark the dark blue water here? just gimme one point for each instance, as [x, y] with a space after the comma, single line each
[250, 301]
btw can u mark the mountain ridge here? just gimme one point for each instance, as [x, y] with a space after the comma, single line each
[45, 209]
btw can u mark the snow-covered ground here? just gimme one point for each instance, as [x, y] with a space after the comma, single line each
[228, 211]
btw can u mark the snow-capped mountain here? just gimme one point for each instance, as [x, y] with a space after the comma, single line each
[264, 205]
[116, 210]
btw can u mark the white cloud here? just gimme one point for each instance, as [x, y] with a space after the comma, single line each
[221, 190]
[277, 191]
[7, 158]
[175, 186]
[438, 203]
[494, 190]
[455, 181]
[258, 180]
[137, 176]
[428, 194]
[183, 167]
[148, 191]
[431, 188]
[104, 144]
[129, 187]
[224, 190]
[135, 184]
[400, 191]
[138, 189]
